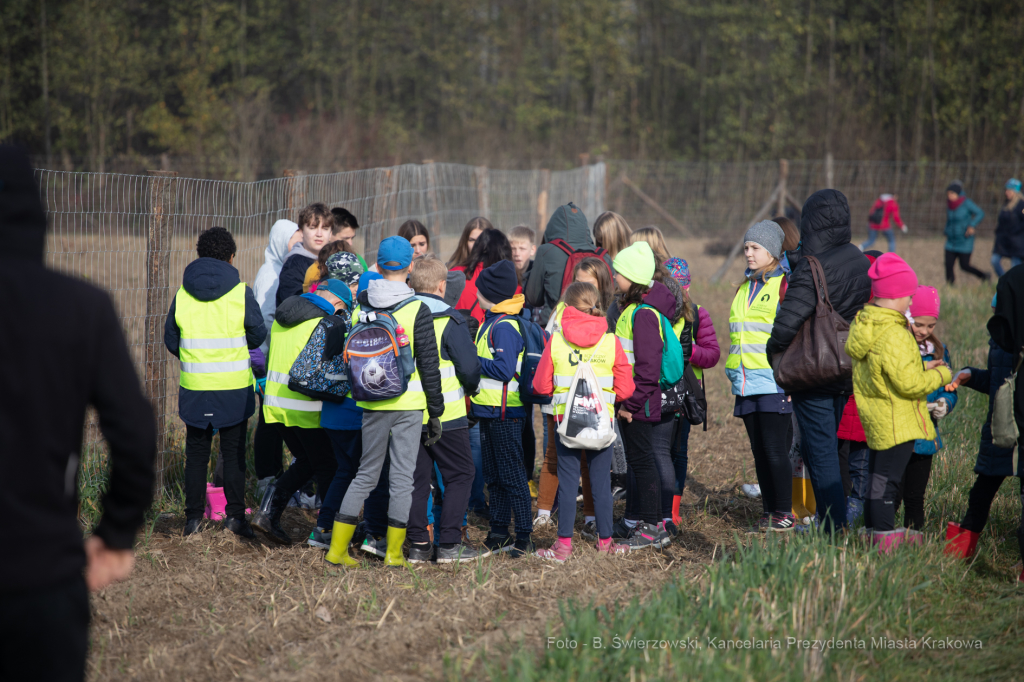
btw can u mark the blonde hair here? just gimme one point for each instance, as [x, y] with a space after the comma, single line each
[611, 232]
[522, 233]
[653, 236]
[428, 274]
[584, 297]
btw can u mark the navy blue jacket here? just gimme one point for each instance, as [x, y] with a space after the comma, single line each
[993, 461]
[293, 274]
[508, 344]
[457, 347]
[208, 279]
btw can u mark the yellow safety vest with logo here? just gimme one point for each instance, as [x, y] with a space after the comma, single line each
[213, 352]
[282, 405]
[454, 394]
[750, 327]
[565, 357]
[414, 398]
[624, 330]
[494, 393]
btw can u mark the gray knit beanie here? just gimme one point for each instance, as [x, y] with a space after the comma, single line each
[768, 234]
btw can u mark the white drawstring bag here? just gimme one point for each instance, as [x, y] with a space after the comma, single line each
[586, 424]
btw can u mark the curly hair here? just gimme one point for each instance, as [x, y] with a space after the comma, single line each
[216, 242]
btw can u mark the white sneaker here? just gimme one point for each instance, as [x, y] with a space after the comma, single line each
[542, 520]
[751, 490]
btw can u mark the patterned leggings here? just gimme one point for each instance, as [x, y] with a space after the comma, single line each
[501, 441]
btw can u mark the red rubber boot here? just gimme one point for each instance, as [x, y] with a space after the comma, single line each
[677, 518]
[960, 542]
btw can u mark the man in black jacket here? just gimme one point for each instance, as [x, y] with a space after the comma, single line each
[824, 234]
[63, 350]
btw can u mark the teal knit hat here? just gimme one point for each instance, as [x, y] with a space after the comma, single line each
[636, 263]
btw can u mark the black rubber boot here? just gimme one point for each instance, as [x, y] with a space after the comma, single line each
[269, 523]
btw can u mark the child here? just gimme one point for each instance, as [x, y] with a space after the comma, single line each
[500, 409]
[924, 309]
[522, 238]
[345, 226]
[393, 426]
[213, 321]
[584, 334]
[316, 223]
[611, 233]
[891, 385]
[883, 210]
[591, 271]
[763, 406]
[460, 375]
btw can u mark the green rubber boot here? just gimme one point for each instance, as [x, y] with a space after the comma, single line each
[394, 556]
[338, 555]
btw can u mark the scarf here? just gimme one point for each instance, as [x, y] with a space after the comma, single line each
[955, 204]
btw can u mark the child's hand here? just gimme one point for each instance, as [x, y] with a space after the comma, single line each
[625, 415]
[932, 364]
[961, 376]
[938, 409]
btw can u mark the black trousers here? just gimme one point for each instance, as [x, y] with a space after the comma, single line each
[979, 503]
[769, 441]
[44, 633]
[455, 461]
[268, 448]
[912, 488]
[885, 471]
[529, 445]
[965, 264]
[313, 455]
[197, 460]
[637, 436]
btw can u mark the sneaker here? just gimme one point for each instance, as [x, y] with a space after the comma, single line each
[664, 538]
[521, 548]
[557, 552]
[496, 544]
[459, 554]
[308, 502]
[589, 531]
[319, 538]
[620, 530]
[751, 490]
[533, 489]
[611, 547]
[421, 555]
[643, 536]
[762, 524]
[782, 522]
[618, 493]
[543, 520]
[375, 546]
[360, 534]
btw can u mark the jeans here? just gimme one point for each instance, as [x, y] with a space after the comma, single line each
[873, 235]
[44, 633]
[197, 461]
[680, 458]
[818, 417]
[599, 474]
[858, 459]
[476, 493]
[997, 263]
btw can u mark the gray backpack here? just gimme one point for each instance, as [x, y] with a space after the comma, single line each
[1004, 425]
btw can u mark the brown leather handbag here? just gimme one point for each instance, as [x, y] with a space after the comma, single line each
[817, 356]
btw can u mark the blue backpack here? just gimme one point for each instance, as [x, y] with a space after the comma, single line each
[534, 338]
[315, 377]
[379, 365]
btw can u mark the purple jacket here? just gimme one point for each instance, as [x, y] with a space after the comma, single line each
[647, 347]
[706, 351]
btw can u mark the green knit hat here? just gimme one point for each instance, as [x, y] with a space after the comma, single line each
[636, 263]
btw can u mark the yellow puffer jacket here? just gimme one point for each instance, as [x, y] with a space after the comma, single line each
[889, 381]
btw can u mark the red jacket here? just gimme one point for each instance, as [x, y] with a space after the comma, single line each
[849, 426]
[890, 209]
[467, 301]
[585, 331]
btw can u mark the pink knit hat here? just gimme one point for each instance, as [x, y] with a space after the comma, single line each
[925, 303]
[891, 277]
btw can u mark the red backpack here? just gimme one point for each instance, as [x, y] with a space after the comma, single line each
[574, 257]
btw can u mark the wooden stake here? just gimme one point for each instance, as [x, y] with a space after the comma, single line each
[783, 176]
[542, 200]
[738, 246]
[483, 192]
[683, 231]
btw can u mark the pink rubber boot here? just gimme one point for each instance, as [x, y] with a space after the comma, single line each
[887, 540]
[215, 502]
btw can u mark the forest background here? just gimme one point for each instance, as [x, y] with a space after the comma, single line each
[241, 89]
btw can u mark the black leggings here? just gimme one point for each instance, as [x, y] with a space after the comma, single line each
[885, 471]
[980, 501]
[637, 437]
[661, 440]
[314, 457]
[267, 448]
[769, 441]
[965, 264]
[912, 487]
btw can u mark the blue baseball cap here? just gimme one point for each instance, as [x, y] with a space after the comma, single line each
[338, 288]
[394, 250]
[365, 279]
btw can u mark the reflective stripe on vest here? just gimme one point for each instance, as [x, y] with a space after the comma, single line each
[212, 351]
[750, 327]
[282, 405]
[494, 393]
[451, 389]
[413, 399]
[624, 331]
[565, 357]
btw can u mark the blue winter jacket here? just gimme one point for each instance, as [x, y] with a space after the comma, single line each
[930, 447]
[503, 366]
[993, 461]
[958, 220]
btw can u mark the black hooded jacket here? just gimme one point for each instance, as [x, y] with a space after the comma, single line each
[824, 234]
[64, 351]
[208, 279]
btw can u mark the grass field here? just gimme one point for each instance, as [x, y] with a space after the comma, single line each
[212, 607]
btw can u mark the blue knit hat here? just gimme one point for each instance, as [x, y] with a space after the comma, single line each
[680, 271]
[1014, 184]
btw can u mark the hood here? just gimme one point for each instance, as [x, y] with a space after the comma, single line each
[885, 197]
[300, 250]
[824, 222]
[569, 223]
[296, 310]
[439, 307]
[456, 284]
[277, 247]
[582, 329]
[208, 278]
[676, 289]
[22, 218]
[662, 299]
[870, 325]
[384, 294]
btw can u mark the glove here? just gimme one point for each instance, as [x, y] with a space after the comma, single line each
[903, 228]
[433, 431]
[258, 361]
[938, 409]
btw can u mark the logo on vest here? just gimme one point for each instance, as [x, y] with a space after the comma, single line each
[575, 357]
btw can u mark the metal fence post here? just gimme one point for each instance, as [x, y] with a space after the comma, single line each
[158, 249]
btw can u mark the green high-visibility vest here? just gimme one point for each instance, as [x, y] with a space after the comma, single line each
[282, 405]
[213, 353]
[454, 394]
[414, 398]
[494, 393]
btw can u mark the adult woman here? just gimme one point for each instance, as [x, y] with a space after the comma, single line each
[468, 239]
[417, 234]
[491, 246]
[611, 233]
[962, 216]
[1009, 229]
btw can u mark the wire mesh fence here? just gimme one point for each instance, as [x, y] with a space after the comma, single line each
[133, 235]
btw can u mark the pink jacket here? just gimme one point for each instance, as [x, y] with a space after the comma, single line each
[706, 352]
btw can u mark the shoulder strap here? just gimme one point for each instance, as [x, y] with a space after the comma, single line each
[820, 285]
[696, 318]
[563, 245]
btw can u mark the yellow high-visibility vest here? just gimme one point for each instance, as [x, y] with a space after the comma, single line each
[213, 352]
[565, 356]
[282, 405]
